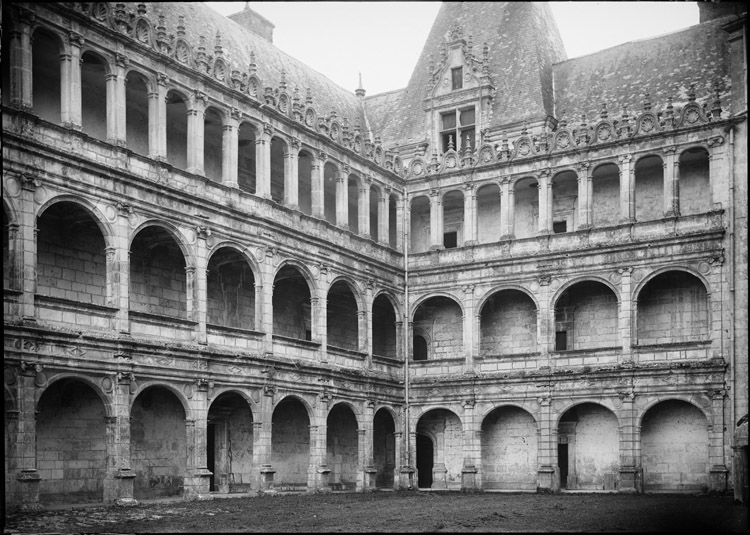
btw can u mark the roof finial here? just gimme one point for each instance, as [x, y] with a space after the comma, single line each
[360, 92]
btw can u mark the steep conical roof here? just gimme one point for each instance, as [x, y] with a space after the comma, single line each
[523, 42]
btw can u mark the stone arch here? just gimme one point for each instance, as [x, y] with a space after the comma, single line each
[674, 446]
[248, 133]
[637, 288]
[454, 218]
[505, 317]
[231, 294]
[47, 71]
[95, 115]
[482, 300]
[353, 286]
[218, 391]
[525, 188]
[302, 399]
[279, 145]
[178, 106]
[564, 200]
[509, 435]
[229, 441]
[649, 187]
[695, 180]
[673, 396]
[171, 229]
[446, 430]
[104, 226]
[585, 278]
[71, 440]
[243, 251]
[420, 217]
[291, 419]
[488, 199]
[214, 120]
[171, 388]
[420, 300]
[421, 411]
[342, 445]
[139, 86]
[588, 448]
[388, 294]
[343, 325]
[88, 381]
[439, 319]
[304, 271]
[521, 406]
[605, 190]
[572, 403]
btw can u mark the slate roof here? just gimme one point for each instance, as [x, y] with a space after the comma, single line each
[238, 42]
[663, 66]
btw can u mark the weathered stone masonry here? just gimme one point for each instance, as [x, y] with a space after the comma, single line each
[207, 245]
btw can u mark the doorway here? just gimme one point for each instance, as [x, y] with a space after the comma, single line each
[562, 463]
[425, 457]
[211, 455]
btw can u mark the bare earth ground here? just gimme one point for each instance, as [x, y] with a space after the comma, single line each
[403, 511]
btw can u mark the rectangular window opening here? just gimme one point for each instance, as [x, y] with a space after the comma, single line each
[457, 77]
[561, 340]
[560, 227]
[450, 240]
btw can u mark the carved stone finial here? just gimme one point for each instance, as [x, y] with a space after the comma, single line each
[691, 93]
[646, 101]
[716, 109]
[603, 114]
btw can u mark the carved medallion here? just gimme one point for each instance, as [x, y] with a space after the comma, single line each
[604, 132]
[647, 123]
[309, 118]
[181, 53]
[563, 140]
[220, 70]
[524, 147]
[142, 31]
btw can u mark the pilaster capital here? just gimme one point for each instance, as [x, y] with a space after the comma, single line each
[125, 378]
[295, 143]
[435, 193]
[203, 232]
[468, 403]
[670, 150]
[30, 369]
[544, 173]
[545, 280]
[75, 39]
[29, 182]
[625, 271]
[322, 156]
[125, 209]
[25, 15]
[504, 180]
[235, 113]
[715, 141]
[121, 60]
[268, 129]
[200, 98]
[346, 169]
[625, 158]
[162, 79]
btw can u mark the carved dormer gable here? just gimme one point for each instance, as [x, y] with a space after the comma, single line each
[459, 92]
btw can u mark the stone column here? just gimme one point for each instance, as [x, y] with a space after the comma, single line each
[548, 472]
[291, 174]
[718, 472]
[157, 118]
[120, 102]
[439, 470]
[672, 182]
[262, 441]
[470, 214]
[266, 293]
[201, 283]
[119, 478]
[342, 199]
[27, 242]
[585, 186]
[545, 201]
[383, 216]
[319, 311]
[627, 189]
[627, 310]
[409, 475]
[21, 439]
[628, 444]
[230, 149]
[316, 179]
[472, 449]
[190, 285]
[363, 204]
[365, 316]
[197, 478]
[112, 115]
[195, 133]
[121, 268]
[401, 215]
[469, 316]
[318, 472]
[366, 446]
[436, 220]
[504, 208]
[21, 82]
[545, 318]
[70, 98]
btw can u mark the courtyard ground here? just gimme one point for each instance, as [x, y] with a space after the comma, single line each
[402, 511]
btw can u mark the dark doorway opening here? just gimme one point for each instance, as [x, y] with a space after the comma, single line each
[425, 457]
[562, 463]
[211, 454]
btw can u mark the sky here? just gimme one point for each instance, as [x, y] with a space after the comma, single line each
[383, 40]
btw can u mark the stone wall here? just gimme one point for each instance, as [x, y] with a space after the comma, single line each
[420, 225]
[290, 444]
[509, 324]
[695, 188]
[606, 191]
[674, 448]
[231, 295]
[488, 214]
[342, 448]
[590, 315]
[509, 450]
[649, 189]
[526, 210]
[157, 279]
[158, 444]
[445, 430]
[71, 446]
[439, 321]
[672, 308]
[594, 446]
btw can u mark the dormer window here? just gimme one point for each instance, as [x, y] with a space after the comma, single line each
[457, 78]
[457, 128]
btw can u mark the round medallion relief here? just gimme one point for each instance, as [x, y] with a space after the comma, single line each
[604, 132]
[647, 124]
[563, 140]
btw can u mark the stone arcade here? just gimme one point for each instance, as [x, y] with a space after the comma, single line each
[223, 273]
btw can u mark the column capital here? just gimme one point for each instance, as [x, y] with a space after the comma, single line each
[75, 39]
[203, 232]
[295, 143]
[625, 158]
[268, 129]
[235, 113]
[322, 156]
[669, 150]
[121, 60]
[25, 15]
[199, 97]
[162, 79]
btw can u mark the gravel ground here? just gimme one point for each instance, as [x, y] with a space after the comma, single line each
[402, 511]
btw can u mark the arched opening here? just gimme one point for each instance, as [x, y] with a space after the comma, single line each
[672, 308]
[425, 461]
[230, 291]
[246, 144]
[649, 188]
[352, 185]
[526, 209]
[419, 228]
[136, 113]
[290, 444]
[278, 168]
[177, 130]
[291, 305]
[375, 194]
[71, 261]
[588, 448]
[694, 182]
[509, 450]
[94, 95]
[392, 222]
[71, 445]
[229, 444]
[453, 219]
[46, 76]
[213, 144]
[605, 204]
[674, 448]
[565, 202]
[384, 341]
[304, 182]
[419, 351]
[158, 282]
[488, 213]
[329, 192]
[5, 60]
[384, 448]
[158, 444]
[446, 432]
[342, 317]
[342, 448]
[586, 317]
[439, 319]
[508, 324]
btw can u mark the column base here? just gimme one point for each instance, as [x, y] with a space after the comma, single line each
[717, 479]
[406, 478]
[125, 502]
[439, 477]
[629, 480]
[266, 480]
[370, 478]
[547, 480]
[469, 479]
[197, 485]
